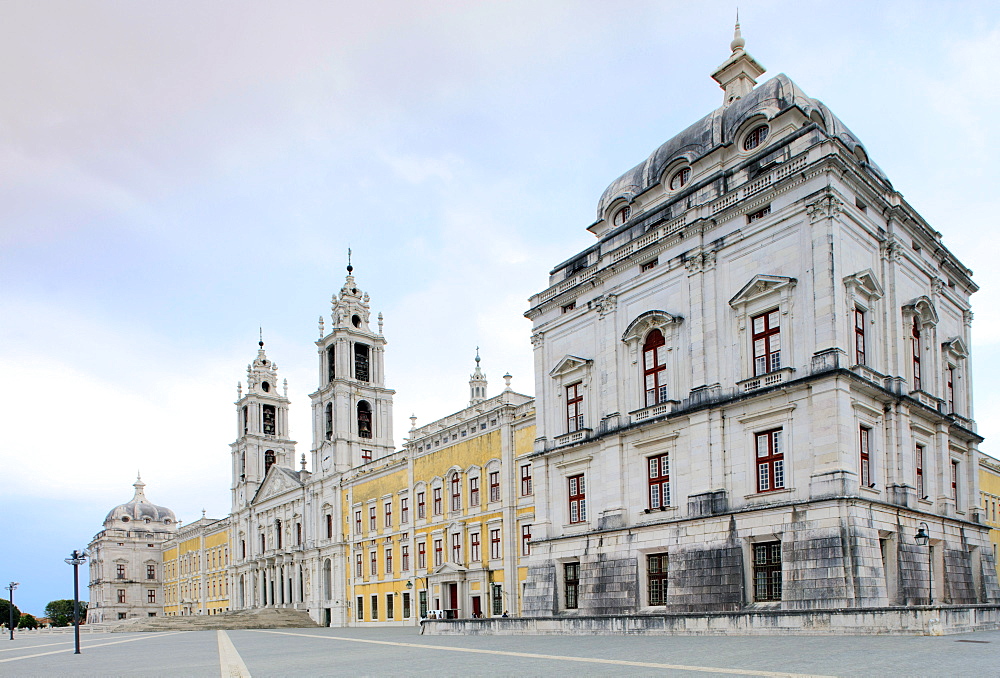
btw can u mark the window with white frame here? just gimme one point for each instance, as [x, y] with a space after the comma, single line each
[574, 407]
[865, 435]
[770, 461]
[654, 368]
[494, 486]
[659, 480]
[577, 498]
[766, 342]
[918, 454]
[474, 491]
[495, 549]
[525, 480]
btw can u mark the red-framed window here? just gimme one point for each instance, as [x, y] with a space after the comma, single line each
[770, 461]
[121, 571]
[766, 342]
[767, 571]
[680, 178]
[422, 555]
[574, 408]
[372, 518]
[373, 556]
[659, 480]
[359, 568]
[329, 526]
[495, 551]
[755, 138]
[571, 585]
[357, 521]
[388, 513]
[474, 547]
[456, 493]
[647, 266]
[474, 491]
[954, 480]
[656, 578]
[421, 505]
[654, 369]
[494, 485]
[121, 595]
[577, 499]
[526, 480]
[866, 464]
[622, 215]
[366, 455]
[404, 510]
[919, 462]
[456, 548]
[388, 560]
[437, 501]
[915, 343]
[859, 336]
[949, 388]
[526, 540]
[404, 557]
[438, 552]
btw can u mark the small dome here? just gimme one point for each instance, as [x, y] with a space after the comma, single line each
[139, 510]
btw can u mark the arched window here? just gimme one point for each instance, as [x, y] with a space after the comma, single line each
[361, 362]
[246, 421]
[268, 460]
[622, 215]
[331, 363]
[680, 178]
[755, 138]
[327, 579]
[329, 420]
[243, 463]
[654, 368]
[364, 420]
[916, 354]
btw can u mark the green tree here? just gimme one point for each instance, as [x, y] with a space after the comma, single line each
[61, 612]
[28, 621]
[5, 613]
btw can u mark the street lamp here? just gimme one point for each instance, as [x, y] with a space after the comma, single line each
[11, 587]
[923, 538]
[76, 559]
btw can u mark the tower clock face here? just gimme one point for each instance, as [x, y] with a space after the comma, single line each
[326, 463]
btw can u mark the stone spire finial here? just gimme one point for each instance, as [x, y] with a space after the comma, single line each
[413, 421]
[139, 485]
[239, 390]
[285, 387]
[203, 514]
[381, 320]
[322, 332]
[738, 41]
[506, 380]
[350, 269]
[738, 75]
[302, 462]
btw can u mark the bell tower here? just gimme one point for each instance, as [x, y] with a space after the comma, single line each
[352, 409]
[261, 429]
[477, 384]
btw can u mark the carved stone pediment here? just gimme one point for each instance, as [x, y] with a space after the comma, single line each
[761, 285]
[649, 321]
[922, 308]
[956, 347]
[865, 283]
[567, 364]
[276, 482]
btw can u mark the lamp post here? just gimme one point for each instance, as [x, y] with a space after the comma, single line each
[409, 586]
[76, 559]
[11, 587]
[923, 538]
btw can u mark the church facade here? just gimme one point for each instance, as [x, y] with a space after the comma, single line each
[754, 388]
[371, 534]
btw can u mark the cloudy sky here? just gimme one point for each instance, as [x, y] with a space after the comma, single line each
[175, 175]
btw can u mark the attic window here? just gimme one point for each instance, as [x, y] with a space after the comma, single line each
[622, 215]
[759, 214]
[860, 204]
[755, 138]
[647, 265]
[680, 178]
[356, 320]
[265, 386]
[569, 307]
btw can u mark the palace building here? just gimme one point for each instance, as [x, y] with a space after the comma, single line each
[754, 387]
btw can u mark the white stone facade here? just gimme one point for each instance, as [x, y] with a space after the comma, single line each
[769, 323]
[126, 560]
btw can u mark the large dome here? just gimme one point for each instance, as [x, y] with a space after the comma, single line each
[139, 510]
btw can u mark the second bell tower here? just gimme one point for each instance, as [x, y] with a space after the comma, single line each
[352, 409]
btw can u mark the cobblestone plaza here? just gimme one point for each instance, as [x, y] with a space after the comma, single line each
[398, 651]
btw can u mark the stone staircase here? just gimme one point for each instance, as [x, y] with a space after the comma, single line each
[266, 618]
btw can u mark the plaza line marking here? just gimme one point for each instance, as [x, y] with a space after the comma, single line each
[588, 660]
[113, 642]
[31, 647]
[231, 664]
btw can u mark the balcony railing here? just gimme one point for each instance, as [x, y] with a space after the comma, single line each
[765, 380]
[657, 410]
[573, 437]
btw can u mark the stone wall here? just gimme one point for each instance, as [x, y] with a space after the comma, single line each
[608, 585]
[540, 590]
[959, 588]
[905, 621]
[709, 578]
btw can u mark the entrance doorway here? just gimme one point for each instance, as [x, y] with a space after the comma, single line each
[452, 609]
[477, 608]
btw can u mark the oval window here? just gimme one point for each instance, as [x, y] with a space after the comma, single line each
[124, 519]
[680, 178]
[755, 138]
[622, 215]
[265, 386]
[356, 320]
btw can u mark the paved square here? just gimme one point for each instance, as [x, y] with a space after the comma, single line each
[397, 651]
